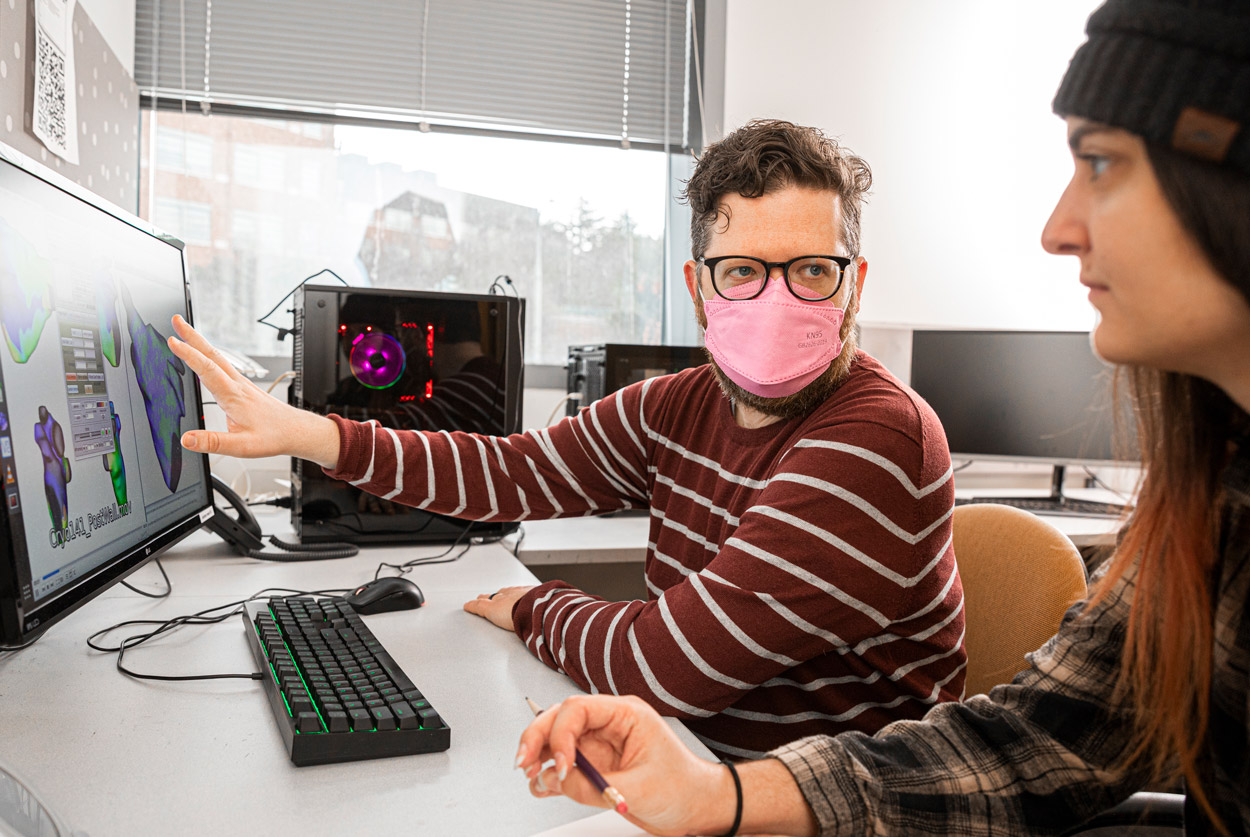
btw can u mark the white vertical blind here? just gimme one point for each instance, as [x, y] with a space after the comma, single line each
[595, 70]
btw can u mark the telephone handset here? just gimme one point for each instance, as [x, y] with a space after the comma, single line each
[242, 531]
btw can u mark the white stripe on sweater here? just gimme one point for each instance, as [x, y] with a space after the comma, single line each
[811, 578]
[782, 611]
[618, 482]
[739, 752]
[399, 465]
[681, 491]
[696, 583]
[620, 411]
[455, 455]
[607, 441]
[659, 691]
[607, 650]
[429, 472]
[490, 480]
[684, 530]
[551, 618]
[581, 650]
[691, 654]
[863, 505]
[543, 438]
[853, 712]
[503, 466]
[899, 673]
[880, 461]
[862, 557]
[373, 450]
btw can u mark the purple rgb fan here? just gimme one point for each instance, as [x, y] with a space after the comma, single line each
[377, 360]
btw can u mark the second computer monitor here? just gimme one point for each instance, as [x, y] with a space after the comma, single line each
[1020, 395]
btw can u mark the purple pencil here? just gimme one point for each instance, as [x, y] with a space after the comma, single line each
[610, 794]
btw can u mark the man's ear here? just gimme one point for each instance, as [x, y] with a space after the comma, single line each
[691, 271]
[861, 274]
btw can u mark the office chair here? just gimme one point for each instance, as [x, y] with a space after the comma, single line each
[1020, 575]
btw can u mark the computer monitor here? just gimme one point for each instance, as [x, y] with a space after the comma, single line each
[92, 402]
[1024, 396]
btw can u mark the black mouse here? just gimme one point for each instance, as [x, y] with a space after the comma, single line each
[385, 594]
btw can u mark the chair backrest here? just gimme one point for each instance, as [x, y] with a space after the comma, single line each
[1019, 575]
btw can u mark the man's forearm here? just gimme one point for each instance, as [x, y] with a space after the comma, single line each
[315, 438]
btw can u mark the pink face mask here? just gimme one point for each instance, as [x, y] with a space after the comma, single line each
[775, 344]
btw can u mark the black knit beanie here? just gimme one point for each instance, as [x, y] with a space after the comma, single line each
[1174, 72]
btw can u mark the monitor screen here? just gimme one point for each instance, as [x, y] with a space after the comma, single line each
[92, 402]
[1018, 395]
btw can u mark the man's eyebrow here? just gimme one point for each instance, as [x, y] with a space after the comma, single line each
[1074, 139]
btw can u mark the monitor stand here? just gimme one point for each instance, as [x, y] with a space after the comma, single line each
[1057, 502]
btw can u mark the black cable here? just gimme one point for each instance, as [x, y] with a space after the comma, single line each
[25, 644]
[169, 587]
[516, 547]
[1098, 481]
[496, 288]
[283, 332]
[200, 618]
[431, 559]
[303, 552]
[965, 465]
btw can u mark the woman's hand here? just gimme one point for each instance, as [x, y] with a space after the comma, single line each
[668, 790]
[257, 424]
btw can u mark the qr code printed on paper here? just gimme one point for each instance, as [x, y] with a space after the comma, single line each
[50, 95]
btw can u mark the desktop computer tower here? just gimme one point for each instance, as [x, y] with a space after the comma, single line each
[415, 360]
[602, 368]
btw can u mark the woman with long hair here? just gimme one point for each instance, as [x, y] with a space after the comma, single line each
[1147, 680]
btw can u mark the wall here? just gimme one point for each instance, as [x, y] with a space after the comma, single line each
[950, 105]
[108, 101]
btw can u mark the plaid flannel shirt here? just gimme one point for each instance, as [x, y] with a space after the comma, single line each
[1037, 756]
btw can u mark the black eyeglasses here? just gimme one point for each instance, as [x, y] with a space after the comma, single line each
[810, 278]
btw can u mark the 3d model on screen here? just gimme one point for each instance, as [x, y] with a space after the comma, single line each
[110, 328]
[25, 293]
[56, 472]
[113, 461]
[159, 375]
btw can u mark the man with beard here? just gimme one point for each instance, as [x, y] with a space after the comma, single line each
[799, 562]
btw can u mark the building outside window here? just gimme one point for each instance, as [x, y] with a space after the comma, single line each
[262, 204]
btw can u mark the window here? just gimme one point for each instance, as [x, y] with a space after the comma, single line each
[578, 228]
[431, 145]
[192, 221]
[178, 151]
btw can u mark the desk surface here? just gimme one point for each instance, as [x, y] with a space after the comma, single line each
[115, 756]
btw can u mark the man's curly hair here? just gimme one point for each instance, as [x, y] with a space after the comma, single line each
[770, 154]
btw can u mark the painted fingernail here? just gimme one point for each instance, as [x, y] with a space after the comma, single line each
[562, 767]
[539, 783]
[520, 757]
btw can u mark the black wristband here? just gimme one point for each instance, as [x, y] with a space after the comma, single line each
[733, 771]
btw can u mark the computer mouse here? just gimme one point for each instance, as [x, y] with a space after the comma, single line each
[385, 594]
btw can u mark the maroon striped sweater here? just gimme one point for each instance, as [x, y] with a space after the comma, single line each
[801, 575]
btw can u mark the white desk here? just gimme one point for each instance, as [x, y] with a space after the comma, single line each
[115, 756]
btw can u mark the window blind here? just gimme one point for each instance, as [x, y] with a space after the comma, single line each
[607, 71]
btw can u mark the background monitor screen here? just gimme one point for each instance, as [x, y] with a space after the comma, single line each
[1020, 395]
[92, 402]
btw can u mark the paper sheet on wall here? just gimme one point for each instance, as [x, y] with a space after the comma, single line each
[607, 824]
[55, 116]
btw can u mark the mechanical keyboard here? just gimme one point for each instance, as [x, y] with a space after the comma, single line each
[1050, 505]
[336, 693]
